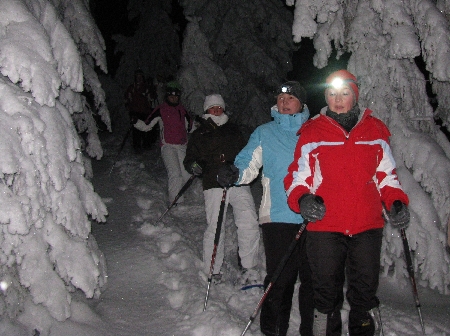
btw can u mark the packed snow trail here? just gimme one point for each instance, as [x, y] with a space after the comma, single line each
[131, 285]
[155, 278]
[155, 286]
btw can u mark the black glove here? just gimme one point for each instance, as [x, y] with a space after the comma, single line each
[399, 215]
[196, 169]
[228, 175]
[311, 207]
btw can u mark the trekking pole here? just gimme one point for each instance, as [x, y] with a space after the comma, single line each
[121, 148]
[411, 276]
[216, 243]
[410, 269]
[275, 275]
[180, 193]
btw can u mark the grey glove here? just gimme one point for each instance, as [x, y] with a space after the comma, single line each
[196, 169]
[227, 175]
[311, 207]
[399, 215]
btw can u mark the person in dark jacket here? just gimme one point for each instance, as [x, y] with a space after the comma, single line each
[342, 175]
[138, 100]
[215, 143]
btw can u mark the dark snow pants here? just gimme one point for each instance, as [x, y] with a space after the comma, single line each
[143, 140]
[276, 309]
[331, 255]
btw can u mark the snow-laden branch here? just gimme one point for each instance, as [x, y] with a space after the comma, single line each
[26, 53]
[425, 177]
[46, 200]
[45, 204]
[63, 46]
[434, 33]
[199, 74]
[80, 23]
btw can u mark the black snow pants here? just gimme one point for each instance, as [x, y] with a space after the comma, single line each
[276, 309]
[333, 256]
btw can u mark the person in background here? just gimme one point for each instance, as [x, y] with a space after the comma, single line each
[213, 144]
[342, 175]
[271, 147]
[138, 98]
[160, 88]
[174, 124]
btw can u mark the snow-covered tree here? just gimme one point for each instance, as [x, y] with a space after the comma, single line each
[384, 39]
[200, 75]
[241, 49]
[49, 92]
[155, 45]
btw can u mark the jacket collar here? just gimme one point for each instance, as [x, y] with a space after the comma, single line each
[290, 121]
[366, 112]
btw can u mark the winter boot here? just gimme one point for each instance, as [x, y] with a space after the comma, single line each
[248, 276]
[334, 323]
[364, 323]
[375, 314]
[217, 278]
[320, 323]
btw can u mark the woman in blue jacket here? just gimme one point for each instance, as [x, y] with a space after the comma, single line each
[271, 147]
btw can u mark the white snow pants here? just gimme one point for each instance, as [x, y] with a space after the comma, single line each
[173, 156]
[246, 222]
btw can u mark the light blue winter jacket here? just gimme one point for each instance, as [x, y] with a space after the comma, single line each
[271, 146]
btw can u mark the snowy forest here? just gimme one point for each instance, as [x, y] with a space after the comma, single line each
[63, 74]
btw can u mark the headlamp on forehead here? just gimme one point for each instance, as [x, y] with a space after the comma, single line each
[338, 82]
[286, 89]
[293, 88]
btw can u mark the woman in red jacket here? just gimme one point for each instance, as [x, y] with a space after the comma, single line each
[342, 174]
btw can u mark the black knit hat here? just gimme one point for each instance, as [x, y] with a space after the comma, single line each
[293, 88]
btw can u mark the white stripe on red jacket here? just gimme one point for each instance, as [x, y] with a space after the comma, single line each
[353, 172]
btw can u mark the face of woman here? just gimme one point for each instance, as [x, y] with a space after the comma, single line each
[173, 99]
[215, 110]
[288, 104]
[339, 100]
[139, 79]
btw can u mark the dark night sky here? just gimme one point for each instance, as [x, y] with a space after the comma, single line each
[111, 17]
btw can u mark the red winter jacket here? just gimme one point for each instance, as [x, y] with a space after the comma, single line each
[353, 173]
[174, 123]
